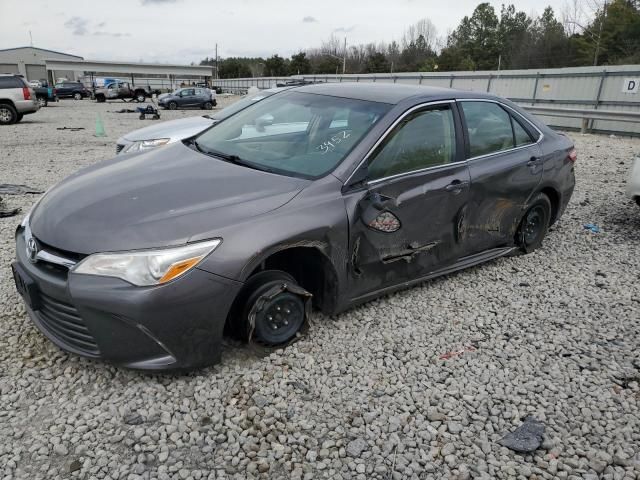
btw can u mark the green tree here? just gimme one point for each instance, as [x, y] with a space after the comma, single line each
[299, 64]
[377, 63]
[613, 37]
[276, 66]
[475, 44]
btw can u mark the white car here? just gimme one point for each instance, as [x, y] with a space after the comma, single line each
[633, 184]
[172, 131]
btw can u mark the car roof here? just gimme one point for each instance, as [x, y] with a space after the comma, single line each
[392, 93]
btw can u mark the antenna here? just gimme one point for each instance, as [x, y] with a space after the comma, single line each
[30, 38]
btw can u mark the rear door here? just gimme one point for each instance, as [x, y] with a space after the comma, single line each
[506, 168]
[406, 223]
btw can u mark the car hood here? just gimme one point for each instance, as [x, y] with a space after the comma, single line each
[160, 198]
[174, 129]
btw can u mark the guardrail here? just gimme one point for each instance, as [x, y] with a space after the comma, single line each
[586, 115]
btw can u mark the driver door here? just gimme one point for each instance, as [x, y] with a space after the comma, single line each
[408, 221]
[187, 97]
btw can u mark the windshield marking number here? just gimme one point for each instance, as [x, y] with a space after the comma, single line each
[330, 145]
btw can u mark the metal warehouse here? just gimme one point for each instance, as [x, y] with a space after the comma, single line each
[30, 62]
[38, 63]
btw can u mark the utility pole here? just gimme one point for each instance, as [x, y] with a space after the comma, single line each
[344, 57]
[217, 76]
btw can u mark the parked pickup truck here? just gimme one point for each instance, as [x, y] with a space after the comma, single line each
[45, 94]
[121, 91]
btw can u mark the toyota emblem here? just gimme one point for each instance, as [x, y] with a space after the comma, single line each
[32, 250]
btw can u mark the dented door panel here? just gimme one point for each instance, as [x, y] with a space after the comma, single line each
[430, 212]
[501, 186]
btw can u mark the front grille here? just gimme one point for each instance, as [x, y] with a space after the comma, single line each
[64, 322]
[119, 148]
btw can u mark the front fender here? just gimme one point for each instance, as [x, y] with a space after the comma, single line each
[316, 218]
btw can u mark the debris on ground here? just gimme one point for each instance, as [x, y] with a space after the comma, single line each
[592, 227]
[71, 129]
[11, 189]
[4, 212]
[526, 438]
[456, 353]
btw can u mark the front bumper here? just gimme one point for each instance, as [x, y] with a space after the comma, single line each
[178, 325]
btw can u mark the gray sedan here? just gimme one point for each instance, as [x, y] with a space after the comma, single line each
[191, 97]
[324, 196]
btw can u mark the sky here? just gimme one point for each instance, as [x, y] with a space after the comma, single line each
[185, 31]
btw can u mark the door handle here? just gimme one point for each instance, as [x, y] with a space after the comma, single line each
[456, 186]
[533, 161]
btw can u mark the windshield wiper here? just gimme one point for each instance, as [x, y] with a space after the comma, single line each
[230, 158]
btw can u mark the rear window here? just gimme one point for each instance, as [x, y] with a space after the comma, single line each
[12, 82]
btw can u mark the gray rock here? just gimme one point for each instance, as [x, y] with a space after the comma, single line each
[355, 447]
[526, 438]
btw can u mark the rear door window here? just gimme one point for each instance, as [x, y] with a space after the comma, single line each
[488, 126]
[520, 135]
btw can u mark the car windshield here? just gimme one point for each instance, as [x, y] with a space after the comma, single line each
[297, 134]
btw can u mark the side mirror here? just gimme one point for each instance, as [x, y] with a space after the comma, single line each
[263, 121]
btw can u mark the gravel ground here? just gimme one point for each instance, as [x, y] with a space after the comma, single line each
[365, 394]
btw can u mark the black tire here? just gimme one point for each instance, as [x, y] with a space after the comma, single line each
[638, 201]
[534, 224]
[279, 318]
[172, 105]
[207, 106]
[43, 101]
[8, 114]
[77, 96]
[100, 98]
[140, 97]
[141, 117]
[156, 116]
[215, 102]
[19, 117]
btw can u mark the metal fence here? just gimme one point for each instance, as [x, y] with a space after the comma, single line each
[588, 89]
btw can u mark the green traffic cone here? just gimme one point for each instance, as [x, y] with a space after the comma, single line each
[100, 127]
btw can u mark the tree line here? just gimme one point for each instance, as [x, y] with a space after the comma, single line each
[587, 32]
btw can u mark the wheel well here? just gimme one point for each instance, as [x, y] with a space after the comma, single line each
[7, 102]
[311, 269]
[554, 198]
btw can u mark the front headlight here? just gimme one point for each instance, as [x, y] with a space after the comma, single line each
[147, 267]
[142, 145]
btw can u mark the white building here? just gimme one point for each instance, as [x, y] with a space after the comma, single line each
[30, 63]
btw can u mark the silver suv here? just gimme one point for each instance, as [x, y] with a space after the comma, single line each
[17, 99]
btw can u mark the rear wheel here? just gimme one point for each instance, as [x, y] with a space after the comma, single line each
[100, 98]
[140, 97]
[8, 114]
[534, 224]
[208, 106]
[77, 96]
[278, 313]
[43, 101]
[173, 105]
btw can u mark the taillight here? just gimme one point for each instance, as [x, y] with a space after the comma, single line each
[26, 93]
[573, 155]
